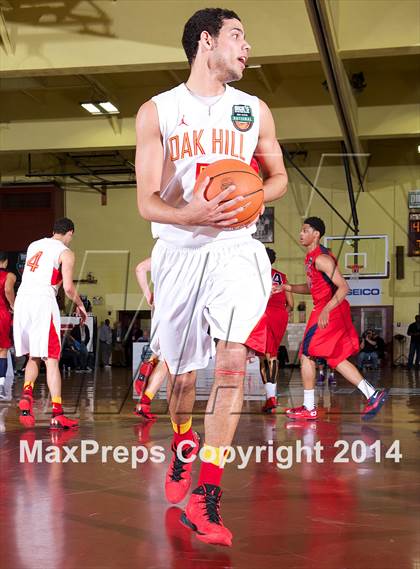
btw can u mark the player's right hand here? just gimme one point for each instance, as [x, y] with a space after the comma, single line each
[212, 212]
[284, 287]
[81, 312]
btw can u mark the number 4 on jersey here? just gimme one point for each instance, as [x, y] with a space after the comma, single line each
[34, 261]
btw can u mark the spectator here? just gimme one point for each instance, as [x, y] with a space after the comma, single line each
[118, 354]
[414, 332]
[136, 333]
[81, 336]
[70, 356]
[368, 350]
[105, 344]
[145, 336]
[381, 346]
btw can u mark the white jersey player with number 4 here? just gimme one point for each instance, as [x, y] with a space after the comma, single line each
[37, 317]
[36, 326]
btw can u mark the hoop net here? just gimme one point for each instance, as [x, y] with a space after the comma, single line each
[355, 270]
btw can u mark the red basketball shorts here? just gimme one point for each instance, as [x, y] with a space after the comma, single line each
[5, 328]
[335, 343]
[276, 327]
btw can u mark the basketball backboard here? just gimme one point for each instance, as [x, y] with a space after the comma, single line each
[360, 256]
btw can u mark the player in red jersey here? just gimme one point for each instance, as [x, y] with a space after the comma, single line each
[277, 312]
[36, 326]
[7, 300]
[329, 333]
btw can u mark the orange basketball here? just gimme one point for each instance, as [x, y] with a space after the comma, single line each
[224, 173]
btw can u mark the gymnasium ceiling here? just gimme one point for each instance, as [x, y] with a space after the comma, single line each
[55, 54]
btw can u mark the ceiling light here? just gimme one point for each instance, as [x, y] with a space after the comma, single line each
[418, 148]
[91, 108]
[253, 66]
[109, 108]
[100, 108]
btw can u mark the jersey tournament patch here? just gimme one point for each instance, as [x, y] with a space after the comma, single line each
[242, 117]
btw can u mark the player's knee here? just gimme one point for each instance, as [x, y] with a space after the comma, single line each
[306, 360]
[183, 382]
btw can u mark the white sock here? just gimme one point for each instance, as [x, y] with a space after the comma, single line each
[366, 388]
[270, 389]
[309, 399]
[2, 380]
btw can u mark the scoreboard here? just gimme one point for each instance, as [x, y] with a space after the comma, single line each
[414, 234]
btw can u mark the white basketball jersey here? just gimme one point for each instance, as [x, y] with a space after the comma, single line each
[193, 136]
[42, 268]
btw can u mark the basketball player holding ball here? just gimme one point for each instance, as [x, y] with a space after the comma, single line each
[208, 273]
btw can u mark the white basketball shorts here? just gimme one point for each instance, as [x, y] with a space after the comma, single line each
[219, 291]
[36, 326]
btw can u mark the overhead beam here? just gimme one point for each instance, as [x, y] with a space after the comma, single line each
[293, 124]
[338, 84]
[139, 35]
[4, 34]
[142, 35]
[263, 75]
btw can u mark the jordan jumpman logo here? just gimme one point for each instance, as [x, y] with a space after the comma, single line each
[182, 121]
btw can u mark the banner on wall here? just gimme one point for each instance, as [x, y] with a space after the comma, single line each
[365, 292]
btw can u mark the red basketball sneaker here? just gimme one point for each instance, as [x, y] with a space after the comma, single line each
[145, 371]
[143, 410]
[374, 404]
[178, 477]
[270, 405]
[63, 422]
[202, 515]
[301, 413]
[26, 416]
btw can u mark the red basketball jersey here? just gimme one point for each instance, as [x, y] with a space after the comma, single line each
[321, 286]
[278, 299]
[4, 304]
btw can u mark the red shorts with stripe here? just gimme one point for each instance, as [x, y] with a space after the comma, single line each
[335, 343]
[276, 327]
[5, 329]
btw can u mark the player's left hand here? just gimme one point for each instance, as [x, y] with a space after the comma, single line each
[81, 312]
[323, 319]
[284, 287]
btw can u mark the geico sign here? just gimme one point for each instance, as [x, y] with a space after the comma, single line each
[364, 292]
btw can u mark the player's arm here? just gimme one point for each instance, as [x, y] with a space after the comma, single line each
[289, 301]
[270, 157]
[149, 167]
[142, 270]
[9, 289]
[295, 288]
[67, 267]
[327, 265]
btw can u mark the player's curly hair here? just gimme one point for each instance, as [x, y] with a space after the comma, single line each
[317, 224]
[63, 225]
[271, 255]
[208, 20]
[3, 256]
